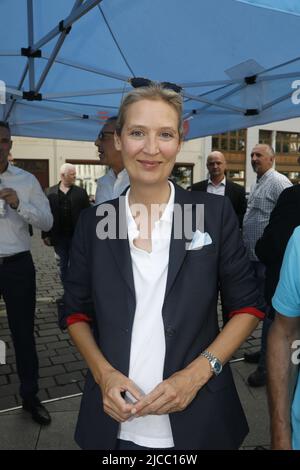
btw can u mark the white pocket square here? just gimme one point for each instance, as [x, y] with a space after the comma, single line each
[199, 240]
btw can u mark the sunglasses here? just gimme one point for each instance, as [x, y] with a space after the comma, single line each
[138, 82]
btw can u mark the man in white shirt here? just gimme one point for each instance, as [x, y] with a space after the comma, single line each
[111, 185]
[23, 204]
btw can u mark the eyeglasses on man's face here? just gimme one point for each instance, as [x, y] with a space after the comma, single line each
[138, 82]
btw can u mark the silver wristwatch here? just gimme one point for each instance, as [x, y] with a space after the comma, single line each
[215, 363]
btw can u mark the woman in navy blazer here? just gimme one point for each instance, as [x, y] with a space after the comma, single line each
[193, 400]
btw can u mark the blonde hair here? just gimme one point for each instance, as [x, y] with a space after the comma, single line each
[154, 92]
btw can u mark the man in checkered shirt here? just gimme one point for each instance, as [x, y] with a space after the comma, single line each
[262, 200]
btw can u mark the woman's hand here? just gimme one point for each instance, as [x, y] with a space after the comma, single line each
[113, 386]
[173, 394]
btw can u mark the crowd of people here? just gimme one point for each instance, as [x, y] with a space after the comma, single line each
[142, 308]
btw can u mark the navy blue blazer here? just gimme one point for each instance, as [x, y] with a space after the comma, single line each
[100, 283]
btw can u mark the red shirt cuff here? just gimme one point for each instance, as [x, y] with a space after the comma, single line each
[77, 317]
[250, 310]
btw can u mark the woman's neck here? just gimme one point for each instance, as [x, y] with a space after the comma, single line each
[148, 195]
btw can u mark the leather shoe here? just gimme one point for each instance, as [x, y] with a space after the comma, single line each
[38, 412]
[252, 358]
[258, 378]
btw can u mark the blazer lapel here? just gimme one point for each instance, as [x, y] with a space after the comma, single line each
[227, 188]
[178, 250]
[120, 245]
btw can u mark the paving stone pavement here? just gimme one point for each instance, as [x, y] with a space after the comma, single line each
[62, 373]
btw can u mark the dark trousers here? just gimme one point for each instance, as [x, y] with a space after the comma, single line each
[17, 287]
[260, 273]
[62, 250]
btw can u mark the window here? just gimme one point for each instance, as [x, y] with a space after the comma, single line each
[182, 174]
[234, 141]
[265, 137]
[287, 142]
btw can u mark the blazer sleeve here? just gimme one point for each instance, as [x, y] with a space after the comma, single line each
[237, 281]
[86, 200]
[78, 296]
[284, 218]
[241, 205]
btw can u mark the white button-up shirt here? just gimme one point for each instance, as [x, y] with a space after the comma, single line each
[33, 209]
[111, 186]
[148, 344]
[216, 188]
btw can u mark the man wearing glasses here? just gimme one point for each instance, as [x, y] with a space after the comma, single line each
[111, 185]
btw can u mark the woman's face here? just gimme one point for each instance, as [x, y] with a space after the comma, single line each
[149, 141]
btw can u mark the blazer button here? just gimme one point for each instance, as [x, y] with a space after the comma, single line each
[170, 331]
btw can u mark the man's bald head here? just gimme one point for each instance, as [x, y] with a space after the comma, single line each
[216, 165]
[262, 158]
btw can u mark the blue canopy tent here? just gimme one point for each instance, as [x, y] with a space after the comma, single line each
[65, 64]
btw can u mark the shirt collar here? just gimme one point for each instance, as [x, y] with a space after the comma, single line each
[119, 175]
[223, 182]
[265, 175]
[10, 169]
[167, 215]
[122, 173]
[111, 173]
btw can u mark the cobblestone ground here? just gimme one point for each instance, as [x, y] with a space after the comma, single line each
[62, 369]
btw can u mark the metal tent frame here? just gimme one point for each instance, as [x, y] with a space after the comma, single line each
[238, 97]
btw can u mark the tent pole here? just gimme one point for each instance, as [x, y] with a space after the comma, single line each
[278, 100]
[55, 51]
[88, 68]
[67, 22]
[215, 103]
[12, 104]
[76, 103]
[44, 121]
[110, 91]
[225, 95]
[284, 64]
[278, 77]
[30, 42]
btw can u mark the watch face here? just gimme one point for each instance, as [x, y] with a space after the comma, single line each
[217, 367]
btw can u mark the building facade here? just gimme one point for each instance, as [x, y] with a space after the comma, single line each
[44, 157]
